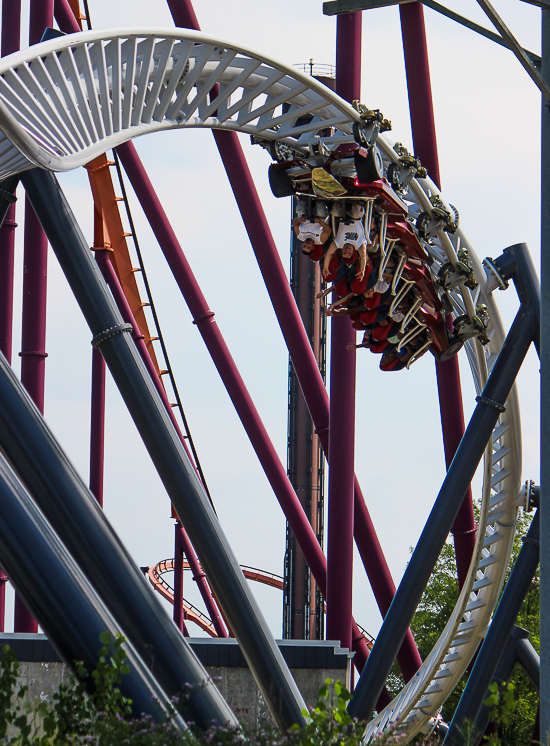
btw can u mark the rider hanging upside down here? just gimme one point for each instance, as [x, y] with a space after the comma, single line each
[313, 235]
[349, 239]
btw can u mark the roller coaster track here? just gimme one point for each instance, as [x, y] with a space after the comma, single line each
[68, 100]
[155, 574]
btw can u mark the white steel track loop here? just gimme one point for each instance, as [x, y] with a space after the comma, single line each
[67, 100]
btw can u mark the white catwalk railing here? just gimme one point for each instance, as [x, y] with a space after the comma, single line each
[67, 100]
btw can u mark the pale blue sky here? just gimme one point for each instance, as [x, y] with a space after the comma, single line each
[487, 117]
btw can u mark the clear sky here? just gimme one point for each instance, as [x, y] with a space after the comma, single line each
[487, 114]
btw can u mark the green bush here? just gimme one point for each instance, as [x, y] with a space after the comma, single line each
[92, 711]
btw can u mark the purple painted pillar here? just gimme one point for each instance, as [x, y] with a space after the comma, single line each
[200, 579]
[341, 444]
[7, 245]
[206, 324]
[448, 376]
[33, 337]
[97, 426]
[65, 17]
[178, 578]
[295, 336]
[348, 55]
[179, 616]
[41, 18]
[97, 409]
[11, 25]
[419, 87]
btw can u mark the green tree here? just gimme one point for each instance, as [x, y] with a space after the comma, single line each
[432, 614]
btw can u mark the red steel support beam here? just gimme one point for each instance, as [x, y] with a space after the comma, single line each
[298, 344]
[97, 409]
[108, 271]
[33, 336]
[448, 375]
[200, 579]
[342, 394]
[178, 579]
[10, 42]
[97, 429]
[300, 350]
[179, 615]
[295, 337]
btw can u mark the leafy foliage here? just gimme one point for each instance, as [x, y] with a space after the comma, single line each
[93, 711]
[88, 710]
[328, 722]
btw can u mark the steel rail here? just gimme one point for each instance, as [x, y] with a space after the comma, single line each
[69, 99]
[417, 705]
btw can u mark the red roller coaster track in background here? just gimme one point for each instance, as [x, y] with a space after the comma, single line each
[192, 614]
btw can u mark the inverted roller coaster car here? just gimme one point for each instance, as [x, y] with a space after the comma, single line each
[398, 242]
[345, 171]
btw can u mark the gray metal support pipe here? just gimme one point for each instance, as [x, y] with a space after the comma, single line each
[59, 596]
[530, 661]
[165, 448]
[527, 283]
[443, 513]
[78, 520]
[499, 632]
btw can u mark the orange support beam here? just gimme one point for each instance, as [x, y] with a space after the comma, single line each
[115, 239]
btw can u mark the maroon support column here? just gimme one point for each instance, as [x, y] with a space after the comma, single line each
[33, 337]
[97, 413]
[342, 394]
[293, 331]
[97, 426]
[11, 23]
[7, 245]
[178, 579]
[179, 616]
[206, 324]
[200, 578]
[448, 376]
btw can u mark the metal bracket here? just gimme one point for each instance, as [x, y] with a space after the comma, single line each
[8, 196]
[528, 540]
[204, 317]
[491, 403]
[499, 280]
[108, 333]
